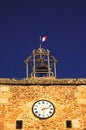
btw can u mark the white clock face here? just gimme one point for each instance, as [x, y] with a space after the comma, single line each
[43, 109]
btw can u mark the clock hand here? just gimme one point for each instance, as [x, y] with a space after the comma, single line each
[45, 108]
[43, 113]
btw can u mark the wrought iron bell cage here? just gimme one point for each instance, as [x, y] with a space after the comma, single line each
[40, 64]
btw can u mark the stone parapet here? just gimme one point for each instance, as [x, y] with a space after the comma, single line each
[43, 81]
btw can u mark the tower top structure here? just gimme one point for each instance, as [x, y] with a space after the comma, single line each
[40, 64]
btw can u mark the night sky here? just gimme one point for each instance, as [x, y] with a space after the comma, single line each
[22, 22]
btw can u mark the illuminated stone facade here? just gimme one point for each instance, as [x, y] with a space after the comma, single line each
[18, 96]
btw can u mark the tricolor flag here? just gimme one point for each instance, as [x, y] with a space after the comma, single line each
[44, 38]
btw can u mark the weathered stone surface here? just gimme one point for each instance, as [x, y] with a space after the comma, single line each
[67, 95]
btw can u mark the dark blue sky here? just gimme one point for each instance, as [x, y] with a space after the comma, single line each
[23, 21]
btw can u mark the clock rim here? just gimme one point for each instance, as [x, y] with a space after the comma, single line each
[42, 117]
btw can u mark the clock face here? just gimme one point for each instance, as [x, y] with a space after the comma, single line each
[43, 109]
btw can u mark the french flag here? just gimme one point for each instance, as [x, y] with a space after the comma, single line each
[44, 38]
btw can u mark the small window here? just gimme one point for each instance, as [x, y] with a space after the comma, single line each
[19, 124]
[68, 124]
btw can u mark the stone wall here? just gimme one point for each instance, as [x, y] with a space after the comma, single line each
[17, 98]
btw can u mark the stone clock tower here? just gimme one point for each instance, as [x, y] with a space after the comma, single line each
[41, 101]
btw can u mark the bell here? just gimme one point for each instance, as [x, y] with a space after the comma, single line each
[42, 68]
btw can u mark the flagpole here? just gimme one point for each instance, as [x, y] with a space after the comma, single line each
[40, 42]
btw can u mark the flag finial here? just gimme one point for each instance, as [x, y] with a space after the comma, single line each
[42, 40]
